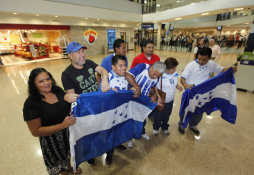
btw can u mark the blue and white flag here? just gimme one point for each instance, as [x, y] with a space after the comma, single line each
[217, 93]
[104, 121]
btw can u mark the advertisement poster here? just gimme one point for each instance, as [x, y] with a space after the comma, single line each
[5, 38]
[111, 33]
[248, 54]
[147, 25]
[37, 35]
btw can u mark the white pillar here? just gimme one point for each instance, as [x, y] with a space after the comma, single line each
[159, 36]
[167, 30]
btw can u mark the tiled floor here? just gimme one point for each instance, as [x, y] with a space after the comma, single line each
[221, 148]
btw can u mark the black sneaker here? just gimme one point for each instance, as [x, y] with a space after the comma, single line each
[181, 130]
[195, 130]
[91, 162]
[121, 147]
[109, 160]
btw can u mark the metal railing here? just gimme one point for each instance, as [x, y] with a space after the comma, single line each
[153, 7]
[234, 15]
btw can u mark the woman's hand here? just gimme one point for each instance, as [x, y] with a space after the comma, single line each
[70, 98]
[114, 89]
[68, 121]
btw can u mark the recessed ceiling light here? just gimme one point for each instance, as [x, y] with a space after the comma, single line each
[246, 23]
[37, 15]
[15, 13]
[158, 5]
[177, 1]
[205, 14]
[178, 18]
[29, 32]
[98, 19]
[40, 30]
[238, 9]
[192, 3]
[56, 16]
[86, 18]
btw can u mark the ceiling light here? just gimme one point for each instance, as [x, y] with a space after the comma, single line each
[177, 1]
[15, 13]
[29, 32]
[246, 23]
[108, 20]
[192, 3]
[238, 9]
[56, 16]
[204, 13]
[178, 18]
[34, 30]
[86, 18]
[145, 2]
[37, 15]
[158, 5]
[98, 19]
[13, 33]
[25, 31]
[40, 30]
[22, 30]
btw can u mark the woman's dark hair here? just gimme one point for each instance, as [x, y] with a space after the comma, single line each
[171, 63]
[197, 44]
[117, 43]
[116, 58]
[32, 89]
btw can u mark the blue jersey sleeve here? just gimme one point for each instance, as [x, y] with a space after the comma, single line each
[137, 69]
[106, 63]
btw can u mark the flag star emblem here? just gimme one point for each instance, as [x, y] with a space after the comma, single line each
[116, 112]
[126, 106]
[199, 103]
[211, 92]
[210, 97]
[114, 122]
[125, 116]
[205, 98]
[197, 97]
[117, 80]
[121, 114]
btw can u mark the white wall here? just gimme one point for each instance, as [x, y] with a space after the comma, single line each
[64, 9]
[121, 5]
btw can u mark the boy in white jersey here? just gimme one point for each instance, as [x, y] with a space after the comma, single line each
[117, 79]
[195, 73]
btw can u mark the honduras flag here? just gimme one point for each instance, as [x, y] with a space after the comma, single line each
[104, 121]
[217, 93]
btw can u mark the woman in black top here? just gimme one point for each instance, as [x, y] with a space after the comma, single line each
[47, 116]
[200, 44]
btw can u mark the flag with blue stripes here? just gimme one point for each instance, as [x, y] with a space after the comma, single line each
[104, 121]
[217, 93]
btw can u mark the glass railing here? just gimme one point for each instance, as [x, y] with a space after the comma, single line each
[234, 15]
[152, 7]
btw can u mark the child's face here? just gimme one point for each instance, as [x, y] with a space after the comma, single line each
[120, 67]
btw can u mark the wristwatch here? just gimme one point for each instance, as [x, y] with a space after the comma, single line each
[105, 77]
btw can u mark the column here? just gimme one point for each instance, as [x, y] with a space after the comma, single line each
[159, 36]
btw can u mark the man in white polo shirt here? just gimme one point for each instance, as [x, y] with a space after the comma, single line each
[195, 73]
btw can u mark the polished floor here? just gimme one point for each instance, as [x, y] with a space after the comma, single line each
[221, 148]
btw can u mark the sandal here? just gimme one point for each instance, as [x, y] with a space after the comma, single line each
[78, 171]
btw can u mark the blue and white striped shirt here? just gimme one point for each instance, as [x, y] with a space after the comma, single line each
[140, 73]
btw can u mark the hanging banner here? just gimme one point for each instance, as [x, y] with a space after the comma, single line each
[5, 38]
[111, 34]
[90, 36]
[248, 54]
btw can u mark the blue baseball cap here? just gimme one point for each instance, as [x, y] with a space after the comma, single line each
[74, 47]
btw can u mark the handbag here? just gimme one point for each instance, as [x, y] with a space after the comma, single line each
[163, 98]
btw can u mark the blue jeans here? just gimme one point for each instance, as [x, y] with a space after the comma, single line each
[193, 122]
[161, 117]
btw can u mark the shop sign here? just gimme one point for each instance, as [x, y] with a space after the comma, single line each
[5, 38]
[90, 36]
[37, 35]
[146, 25]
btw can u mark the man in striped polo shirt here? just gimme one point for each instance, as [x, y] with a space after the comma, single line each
[143, 78]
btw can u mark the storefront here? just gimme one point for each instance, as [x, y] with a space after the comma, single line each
[33, 41]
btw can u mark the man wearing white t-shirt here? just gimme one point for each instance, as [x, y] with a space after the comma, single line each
[195, 73]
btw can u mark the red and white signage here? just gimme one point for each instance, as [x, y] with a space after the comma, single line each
[90, 36]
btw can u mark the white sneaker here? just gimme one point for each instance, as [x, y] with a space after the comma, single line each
[146, 137]
[155, 132]
[129, 144]
[166, 132]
